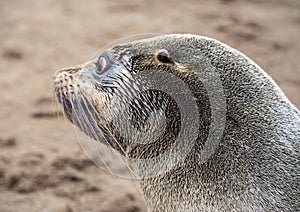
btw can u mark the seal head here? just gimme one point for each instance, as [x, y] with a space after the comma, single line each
[254, 167]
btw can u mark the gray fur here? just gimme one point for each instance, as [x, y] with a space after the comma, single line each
[256, 166]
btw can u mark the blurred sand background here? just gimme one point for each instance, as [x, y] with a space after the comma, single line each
[42, 167]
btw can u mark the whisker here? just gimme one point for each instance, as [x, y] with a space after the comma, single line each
[79, 108]
[85, 123]
[94, 135]
[74, 111]
[87, 102]
[94, 123]
[55, 101]
[95, 112]
[61, 101]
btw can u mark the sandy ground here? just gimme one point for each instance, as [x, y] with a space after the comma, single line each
[42, 167]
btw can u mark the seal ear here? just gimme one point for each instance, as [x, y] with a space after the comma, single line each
[163, 56]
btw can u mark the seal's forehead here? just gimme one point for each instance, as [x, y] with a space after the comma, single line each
[172, 43]
[179, 46]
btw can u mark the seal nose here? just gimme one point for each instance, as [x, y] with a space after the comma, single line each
[67, 70]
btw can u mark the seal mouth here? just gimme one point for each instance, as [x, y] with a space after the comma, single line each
[67, 106]
[63, 93]
[79, 108]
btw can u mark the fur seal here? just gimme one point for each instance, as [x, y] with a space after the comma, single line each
[254, 167]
